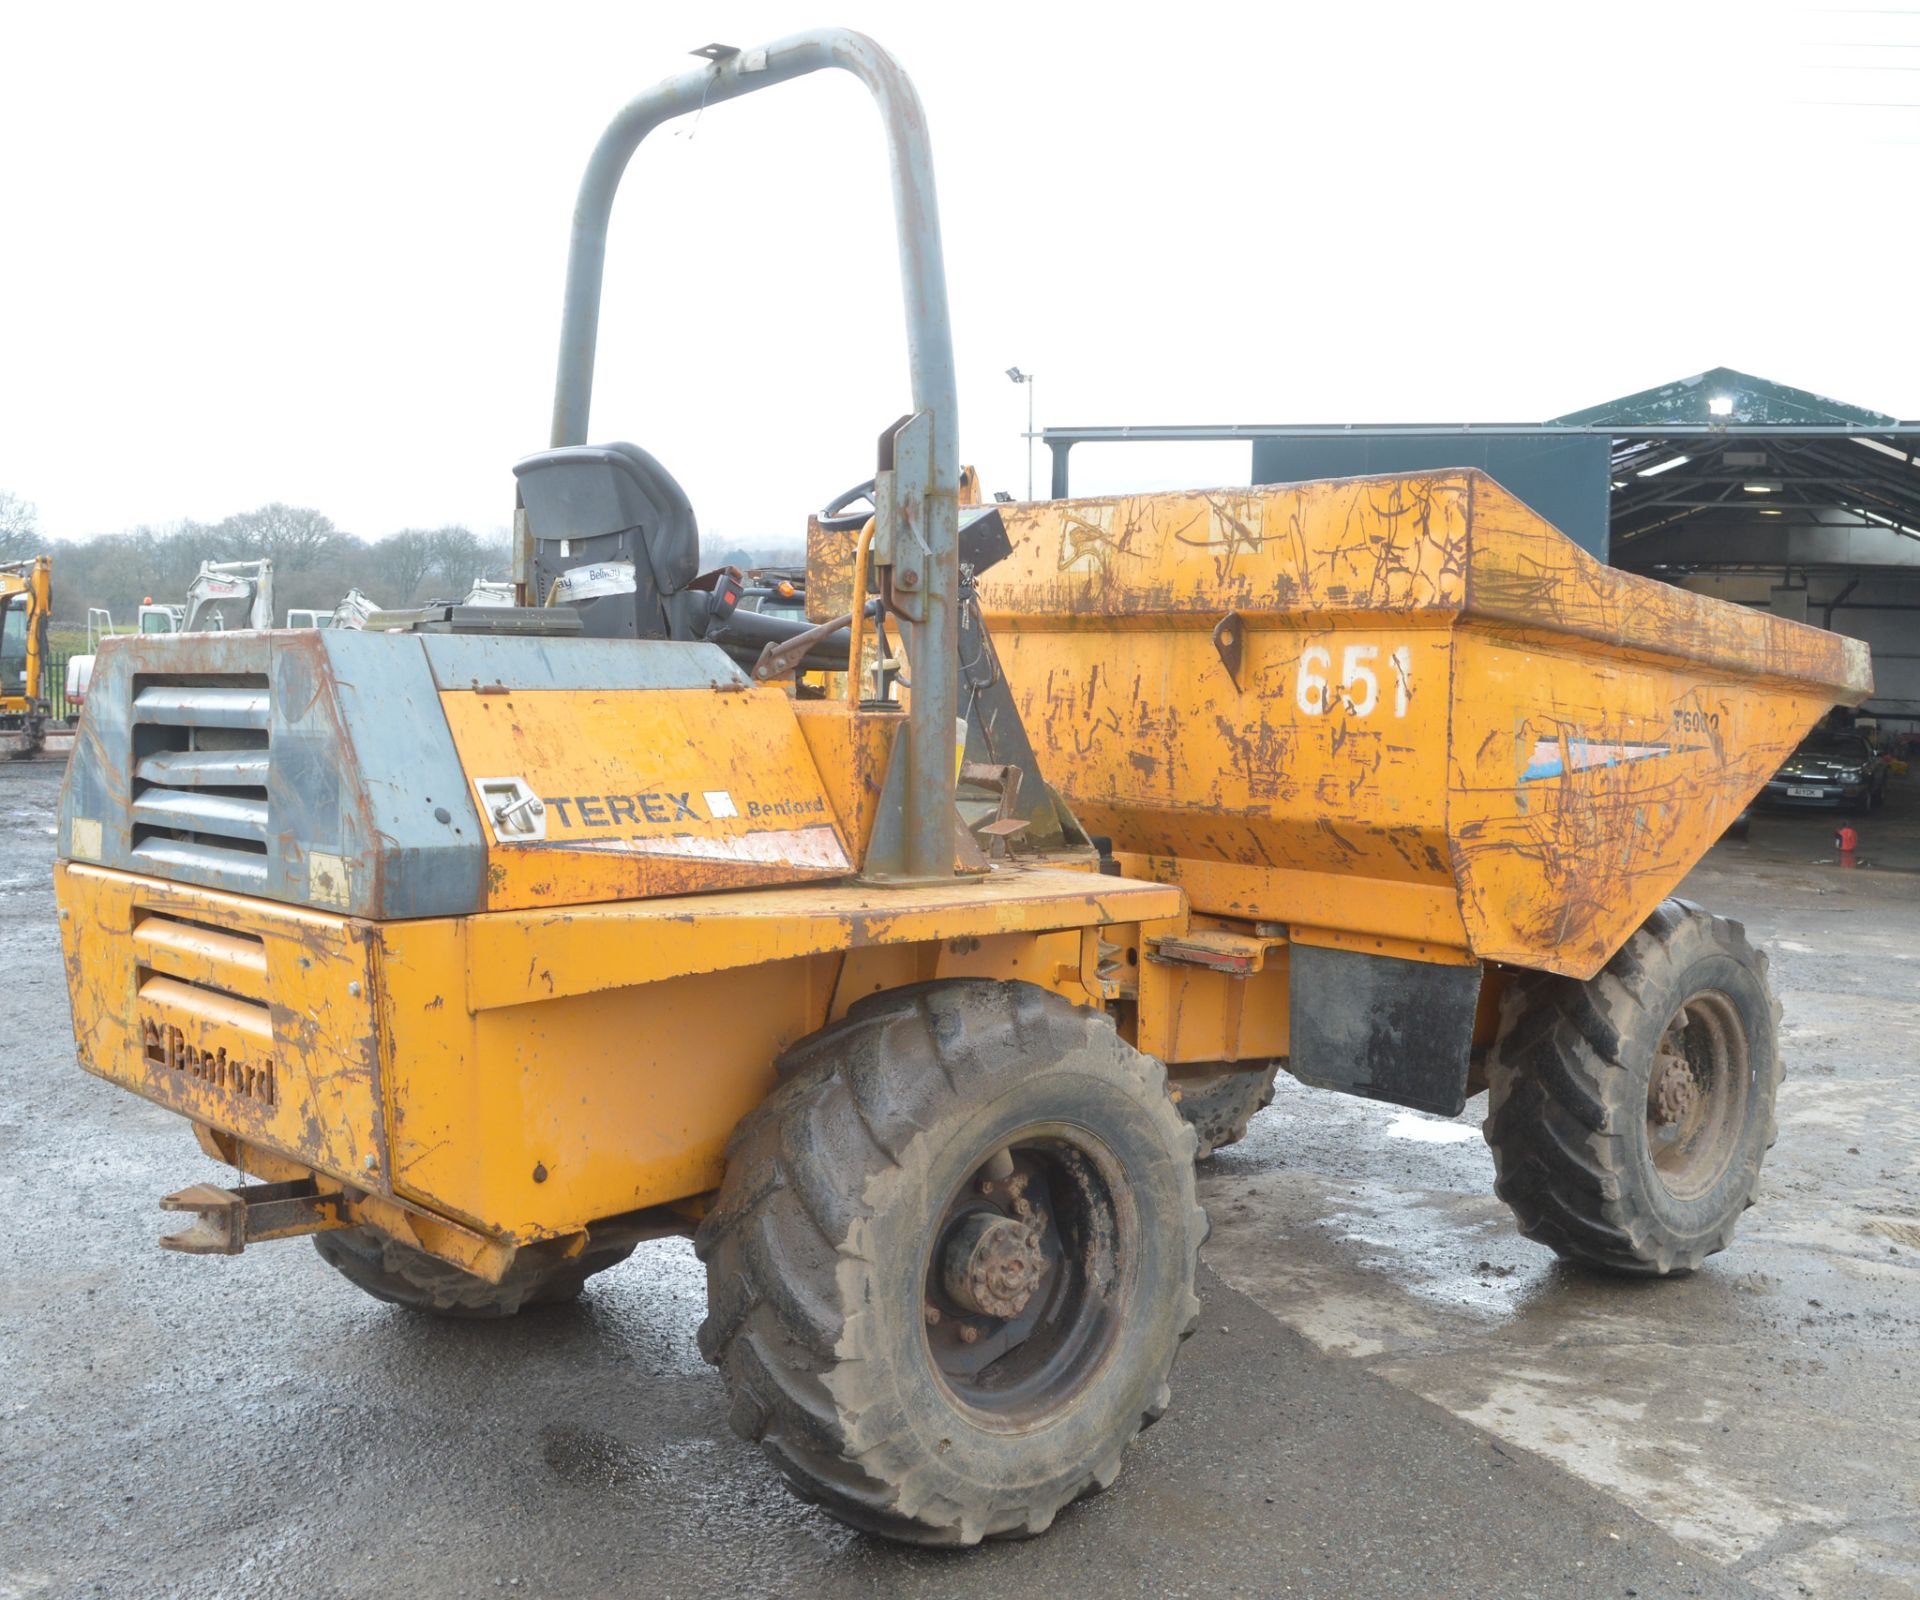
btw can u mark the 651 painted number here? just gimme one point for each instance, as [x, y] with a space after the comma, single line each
[1358, 688]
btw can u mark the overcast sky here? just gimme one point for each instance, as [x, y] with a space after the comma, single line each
[314, 252]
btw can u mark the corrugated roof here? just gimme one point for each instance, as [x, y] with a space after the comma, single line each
[1718, 448]
[1722, 397]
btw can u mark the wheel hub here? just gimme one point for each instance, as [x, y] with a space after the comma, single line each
[1025, 1276]
[992, 1264]
[1675, 1090]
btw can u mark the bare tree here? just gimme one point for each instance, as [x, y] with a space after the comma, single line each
[720, 550]
[458, 557]
[315, 562]
[293, 537]
[403, 561]
[19, 527]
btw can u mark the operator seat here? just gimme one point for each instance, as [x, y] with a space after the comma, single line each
[617, 533]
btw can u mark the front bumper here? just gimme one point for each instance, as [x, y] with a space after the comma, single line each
[1829, 795]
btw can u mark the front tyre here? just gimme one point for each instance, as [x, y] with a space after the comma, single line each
[953, 1259]
[1629, 1115]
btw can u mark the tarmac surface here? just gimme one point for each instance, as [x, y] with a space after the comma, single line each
[1391, 1393]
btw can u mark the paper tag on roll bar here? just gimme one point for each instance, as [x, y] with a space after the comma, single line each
[592, 581]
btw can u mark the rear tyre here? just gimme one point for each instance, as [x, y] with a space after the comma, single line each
[404, 1275]
[952, 1261]
[1219, 1099]
[1629, 1115]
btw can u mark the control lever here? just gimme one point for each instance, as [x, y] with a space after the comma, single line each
[778, 659]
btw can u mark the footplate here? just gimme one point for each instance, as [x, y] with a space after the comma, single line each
[231, 1219]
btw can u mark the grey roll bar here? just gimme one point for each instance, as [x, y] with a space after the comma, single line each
[926, 540]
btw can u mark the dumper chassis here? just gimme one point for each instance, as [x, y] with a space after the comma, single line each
[491, 941]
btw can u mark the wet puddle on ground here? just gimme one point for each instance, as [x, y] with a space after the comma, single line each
[595, 1460]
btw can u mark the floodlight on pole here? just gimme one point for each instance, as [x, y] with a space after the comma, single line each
[1027, 378]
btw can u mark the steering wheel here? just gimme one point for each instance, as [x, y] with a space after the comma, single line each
[834, 516]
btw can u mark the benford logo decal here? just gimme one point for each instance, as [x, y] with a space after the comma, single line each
[164, 1045]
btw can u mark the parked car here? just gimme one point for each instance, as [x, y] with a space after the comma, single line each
[1838, 768]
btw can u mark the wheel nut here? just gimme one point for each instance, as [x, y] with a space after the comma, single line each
[933, 1315]
[968, 1333]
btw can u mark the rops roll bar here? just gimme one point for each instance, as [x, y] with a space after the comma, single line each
[918, 529]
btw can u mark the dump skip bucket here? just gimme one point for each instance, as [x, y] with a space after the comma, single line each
[1405, 711]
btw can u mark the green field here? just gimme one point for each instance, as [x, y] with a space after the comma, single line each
[69, 638]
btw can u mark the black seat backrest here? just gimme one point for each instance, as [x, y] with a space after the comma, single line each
[612, 523]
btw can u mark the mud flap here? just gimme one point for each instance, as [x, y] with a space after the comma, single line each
[1383, 1028]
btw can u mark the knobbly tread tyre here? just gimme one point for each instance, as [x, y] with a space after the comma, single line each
[826, 1182]
[1567, 1087]
[1220, 1105]
[404, 1275]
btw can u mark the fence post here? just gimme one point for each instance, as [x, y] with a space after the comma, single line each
[53, 685]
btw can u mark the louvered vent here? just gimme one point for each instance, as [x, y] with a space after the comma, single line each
[200, 755]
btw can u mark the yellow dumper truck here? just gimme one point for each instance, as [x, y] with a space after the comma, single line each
[493, 940]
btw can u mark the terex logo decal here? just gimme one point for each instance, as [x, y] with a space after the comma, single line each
[611, 810]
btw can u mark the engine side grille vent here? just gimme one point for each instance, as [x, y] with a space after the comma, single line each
[203, 1004]
[200, 763]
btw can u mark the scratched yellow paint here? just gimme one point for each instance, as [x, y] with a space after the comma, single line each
[524, 957]
[280, 1048]
[551, 1115]
[1452, 726]
[523, 1073]
[850, 751]
[661, 792]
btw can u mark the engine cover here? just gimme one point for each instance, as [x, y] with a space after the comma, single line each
[412, 775]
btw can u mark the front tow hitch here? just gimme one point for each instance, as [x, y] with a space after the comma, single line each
[228, 1220]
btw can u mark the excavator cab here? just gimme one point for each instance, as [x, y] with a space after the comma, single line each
[26, 600]
[16, 632]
